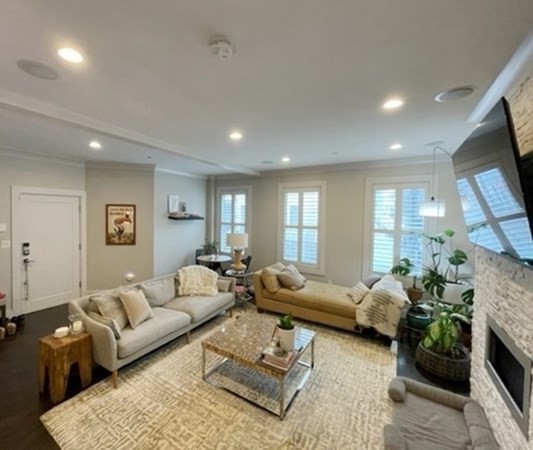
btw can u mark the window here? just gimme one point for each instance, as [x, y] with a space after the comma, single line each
[232, 214]
[301, 227]
[396, 226]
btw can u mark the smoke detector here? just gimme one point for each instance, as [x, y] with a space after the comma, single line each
[222, 48]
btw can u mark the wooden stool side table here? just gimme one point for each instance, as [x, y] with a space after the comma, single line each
[57, 355]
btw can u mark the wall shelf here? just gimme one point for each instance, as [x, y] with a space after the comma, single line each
[187, 217]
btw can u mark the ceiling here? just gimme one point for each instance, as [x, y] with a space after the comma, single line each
[307, 79]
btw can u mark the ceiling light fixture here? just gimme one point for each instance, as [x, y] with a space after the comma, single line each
[393, 103]
[433, 207]
[285, 159]
[95, 145]
[222, 48]
[70, 55]
[454, 94]
[396, 146]
[236, 136]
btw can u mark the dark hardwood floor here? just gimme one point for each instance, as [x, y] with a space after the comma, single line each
[21, 404]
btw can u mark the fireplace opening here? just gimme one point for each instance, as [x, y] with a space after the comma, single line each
[510, 370]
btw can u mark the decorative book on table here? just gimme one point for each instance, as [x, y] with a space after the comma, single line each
[281, 361]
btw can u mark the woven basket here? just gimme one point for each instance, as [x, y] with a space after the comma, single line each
[444, 366]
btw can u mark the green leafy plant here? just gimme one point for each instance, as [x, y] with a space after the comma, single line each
[210, 247]
[445, 259]
[403, 268]
[442, 335]
[286, 322]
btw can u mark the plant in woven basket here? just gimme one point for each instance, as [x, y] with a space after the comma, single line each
[443, 334]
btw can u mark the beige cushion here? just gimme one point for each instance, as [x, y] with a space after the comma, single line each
[279, 266]
[200, 307]
[107, 322]
[270, 279]
[159, 292]
[223, 285]
[109, 305]
[291, 278]
[358, 292]
[136, 306]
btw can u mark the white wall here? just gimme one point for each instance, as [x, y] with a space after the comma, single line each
[107, 265]
[175, 241]
[345, 211]
[26, 170]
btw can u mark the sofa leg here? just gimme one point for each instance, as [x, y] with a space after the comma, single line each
[230, 312]
[260, 310]
[188, 337]
[115, 378]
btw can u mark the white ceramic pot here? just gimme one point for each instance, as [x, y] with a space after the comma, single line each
[287, 339]
[453, 292]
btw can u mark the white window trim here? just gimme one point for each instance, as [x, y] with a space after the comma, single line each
[370, 183]
[247, 189]
[322, 187]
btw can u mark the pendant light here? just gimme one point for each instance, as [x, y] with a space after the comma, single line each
[433, 207]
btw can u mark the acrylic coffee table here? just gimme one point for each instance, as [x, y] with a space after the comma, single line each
[236, 365]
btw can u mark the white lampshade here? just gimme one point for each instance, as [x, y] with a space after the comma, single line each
[237, 240]
[432, 208]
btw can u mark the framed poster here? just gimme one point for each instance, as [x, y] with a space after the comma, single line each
[120, 224]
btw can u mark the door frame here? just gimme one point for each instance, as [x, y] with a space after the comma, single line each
[16, 191]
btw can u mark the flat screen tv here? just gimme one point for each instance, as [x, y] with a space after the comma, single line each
[495, 183]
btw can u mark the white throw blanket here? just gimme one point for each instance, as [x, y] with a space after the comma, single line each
[196, 280]
[382, 306]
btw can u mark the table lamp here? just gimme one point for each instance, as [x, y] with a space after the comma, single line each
[238, 241]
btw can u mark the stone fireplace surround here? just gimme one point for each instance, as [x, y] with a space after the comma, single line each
[504, 291]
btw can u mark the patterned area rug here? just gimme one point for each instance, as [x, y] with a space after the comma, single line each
[162, 402]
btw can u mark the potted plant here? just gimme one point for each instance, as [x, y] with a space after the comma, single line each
[404, 269]
[439, 352]
[286, 332]
[442, 277]
[210, 247]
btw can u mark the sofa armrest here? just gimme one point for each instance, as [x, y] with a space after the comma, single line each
[258, 287]
[103, 341]
[431, 393]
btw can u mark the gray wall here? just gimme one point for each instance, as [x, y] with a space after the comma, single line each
[107, 265]
[175, 241]
[18, 170]
[345, 208]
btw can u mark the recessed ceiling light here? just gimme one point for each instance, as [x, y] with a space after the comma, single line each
[267, 161]
[95, 145]
[70, 55]
[37, 69]
[285, 159]
[393, 103]
[236, 136]
[396, 146]
[457, 93]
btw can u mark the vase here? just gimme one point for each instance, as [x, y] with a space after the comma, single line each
[287, 339]
[452, 293]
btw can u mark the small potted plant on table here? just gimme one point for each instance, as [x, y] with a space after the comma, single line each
[286, 332]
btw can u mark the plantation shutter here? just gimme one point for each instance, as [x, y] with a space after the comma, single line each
[233, 212]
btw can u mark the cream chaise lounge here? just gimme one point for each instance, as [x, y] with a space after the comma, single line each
[172, 316]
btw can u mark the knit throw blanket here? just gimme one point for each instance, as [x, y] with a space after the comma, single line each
[380, 309]
[196, 280]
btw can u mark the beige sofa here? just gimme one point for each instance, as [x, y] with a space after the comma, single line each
[430, 418]
[171, 319]
[324, 303]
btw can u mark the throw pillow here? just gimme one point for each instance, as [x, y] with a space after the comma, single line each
[107, 322]
[358, 292]
[279, 266]
[291, 279]
[223, 285]
[136, 306]
[270, 279]
[159, 292]
[371, 281]
[110, 306]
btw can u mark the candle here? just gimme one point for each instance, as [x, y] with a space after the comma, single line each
[77, 326]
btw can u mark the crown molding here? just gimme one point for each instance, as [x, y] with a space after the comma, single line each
[41, 157]
[181, 174]
[109, 165]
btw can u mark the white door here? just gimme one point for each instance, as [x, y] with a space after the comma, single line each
[46, 249]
